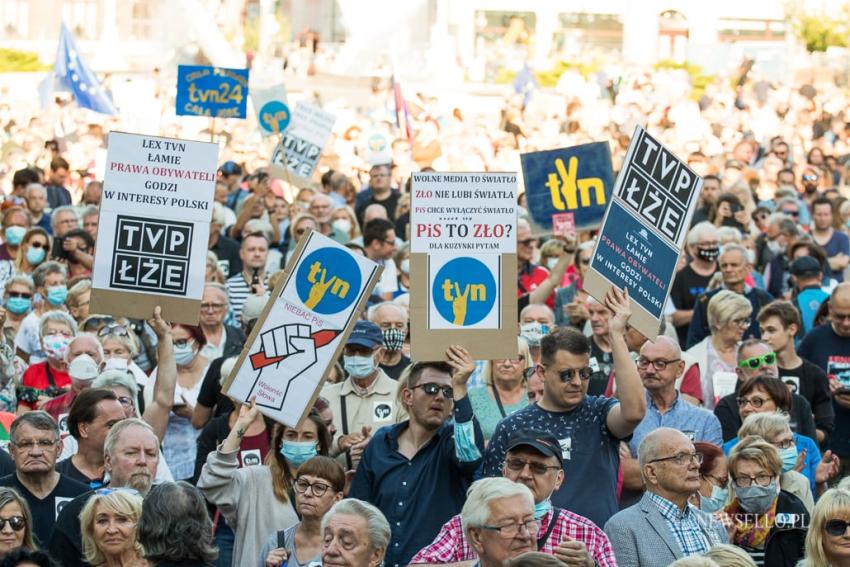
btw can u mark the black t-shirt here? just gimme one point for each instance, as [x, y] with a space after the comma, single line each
[66, 543]
[7, 465]
[390, 204]
[45, 512]
[395, 370]
[227, 250]
[811, 382]
[687, 286]
[601, 363]
[210, 395]
[68, 469]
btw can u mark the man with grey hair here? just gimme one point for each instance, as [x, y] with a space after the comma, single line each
[131, 455]
[734, 268]
[34, 446]
[91, 218]
[772, 252]
[36, 198]
[355, 534]
[392, 319]
[498, 521]
[663, 526]
[692, 280]
[222, 340]
[174, 527]
[63, 220]
[322, 207]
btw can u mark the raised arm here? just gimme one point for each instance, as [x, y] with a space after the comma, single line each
[624, 417]
[156, 412]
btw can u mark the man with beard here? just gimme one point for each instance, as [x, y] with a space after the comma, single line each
[131, 454]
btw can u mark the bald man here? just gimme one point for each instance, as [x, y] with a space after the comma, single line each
[663, 526]
[828, 346]
[392, 319]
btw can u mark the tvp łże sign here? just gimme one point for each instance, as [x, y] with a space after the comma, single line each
[644, 229]
[211, 91]
[303, 328]
[154, 226]
[302, 144]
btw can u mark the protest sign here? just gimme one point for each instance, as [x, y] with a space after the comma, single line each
[301, 147]
[154, 227]
[644, 230]
[303, 328]
[577, 180]
[273, 113]
[564, 224]
[215, 92]
[463, 264]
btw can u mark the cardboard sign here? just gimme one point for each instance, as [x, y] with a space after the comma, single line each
[302, 143]
[154, 227]
[273, 114]
[463, 264]
[216, 92]
[564, 224]
[303, 329]
[644, 230]
[577, 180]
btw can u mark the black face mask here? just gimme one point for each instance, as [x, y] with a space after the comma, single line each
[708, 254]
[730, 221]
[810, 189]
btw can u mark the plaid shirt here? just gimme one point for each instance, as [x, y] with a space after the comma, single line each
[683, 525]
[450, 545]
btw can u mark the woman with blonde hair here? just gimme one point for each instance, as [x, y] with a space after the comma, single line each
[16, 525]
[108, 523]
[344, 220]
[726, 555]
[828, 540]
[505, 389]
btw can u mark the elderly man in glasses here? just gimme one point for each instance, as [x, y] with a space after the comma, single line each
[534, 460]
[663, 526]
[660, 365]
[588, 428]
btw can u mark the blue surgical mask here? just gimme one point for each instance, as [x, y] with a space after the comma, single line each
[19, 305]
[359, 366]
[184, 354]
[56, 295]
[756, 499]
[299, 452]
[35, 256]
[714, 502]
[15, 234]
[542, 508]
[789, 458]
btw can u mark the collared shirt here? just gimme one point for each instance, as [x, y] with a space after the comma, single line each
[684, 526]
[374, 408]
[418, 495]
[698, 424]
[451, 546]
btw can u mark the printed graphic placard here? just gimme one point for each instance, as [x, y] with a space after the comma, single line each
[154, 227]
[273, 114]
[302, 143]
[578, 179]
[303, 329]
[216, 92]
[564, 224]
[463, 264]
[644, 230]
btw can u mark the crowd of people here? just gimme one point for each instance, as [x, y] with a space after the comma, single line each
[724, 440]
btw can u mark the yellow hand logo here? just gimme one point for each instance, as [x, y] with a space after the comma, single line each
[459, 305]
[318, 290]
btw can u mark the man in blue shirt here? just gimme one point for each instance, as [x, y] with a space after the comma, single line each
[835, 243]
[588, 428]
[417, 472]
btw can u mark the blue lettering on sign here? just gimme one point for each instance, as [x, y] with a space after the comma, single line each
[630, 255]
[464, 291]
[274, 117]
[328, 280]
[211, 91]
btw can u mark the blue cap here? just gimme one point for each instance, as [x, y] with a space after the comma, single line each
[366, 334]
[230, 168]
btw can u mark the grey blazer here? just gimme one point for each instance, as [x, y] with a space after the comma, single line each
[640, 537]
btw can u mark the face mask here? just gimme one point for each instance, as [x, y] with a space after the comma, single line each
[708, 254]
[299, 452]
[183, 355]
[542, 508]
[551, 262]
[116, 364]
[789, 458]
[35, 256]
[810, 189]
[55, 346]
[342, 225]
[405, 264]
[83, 368]
[394, 339]
[359, 366]
[751, 256]
[15, 234]
[56, 295]
[533, 333]
[19, 305]
[756, 499]
[714, 502]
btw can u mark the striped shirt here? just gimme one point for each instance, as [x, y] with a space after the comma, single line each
[238, 289]
[684, 526]
[451, 546]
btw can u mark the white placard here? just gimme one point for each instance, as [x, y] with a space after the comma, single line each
[303, 141]
[465, 291]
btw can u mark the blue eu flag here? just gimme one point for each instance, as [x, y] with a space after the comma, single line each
[73, 75]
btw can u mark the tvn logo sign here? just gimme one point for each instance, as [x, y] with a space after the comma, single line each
[568, 192]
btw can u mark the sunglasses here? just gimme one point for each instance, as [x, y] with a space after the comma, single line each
[758, 361]
[834, 528]
[94, 323]
[432, 389]
[792, 213]
[114, 329]
[527, 242]
[38, 245]
[535, 468]
[17, 523]
[567, 374]
[20, 294]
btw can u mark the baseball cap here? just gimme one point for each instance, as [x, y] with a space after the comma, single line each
[543, 443]
[230, 168]
[253, 306]
[805, 265]
[366, 334]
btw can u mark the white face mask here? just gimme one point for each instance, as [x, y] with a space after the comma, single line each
[551, 262]
[116, 364]
[342, 225]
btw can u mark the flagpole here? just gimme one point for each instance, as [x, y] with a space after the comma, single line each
[212, 130]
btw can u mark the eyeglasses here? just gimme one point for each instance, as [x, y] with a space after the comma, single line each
[20, 294]
[212, 306]
[834, 528]
[585, 261]
[567, 374]
[42, 444]
[681, 459]
[432, 388]
[183, 342]
[538, 469]
[742, 322]
[659, 365]
[791, 213]
[747, 481]
[755, 402]
[510, 531]
[810, 177]
[17, 523]
[787, 444]
[758, 361]
[114, 329]
[318, 488]
[527, 242]
[125, 401]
